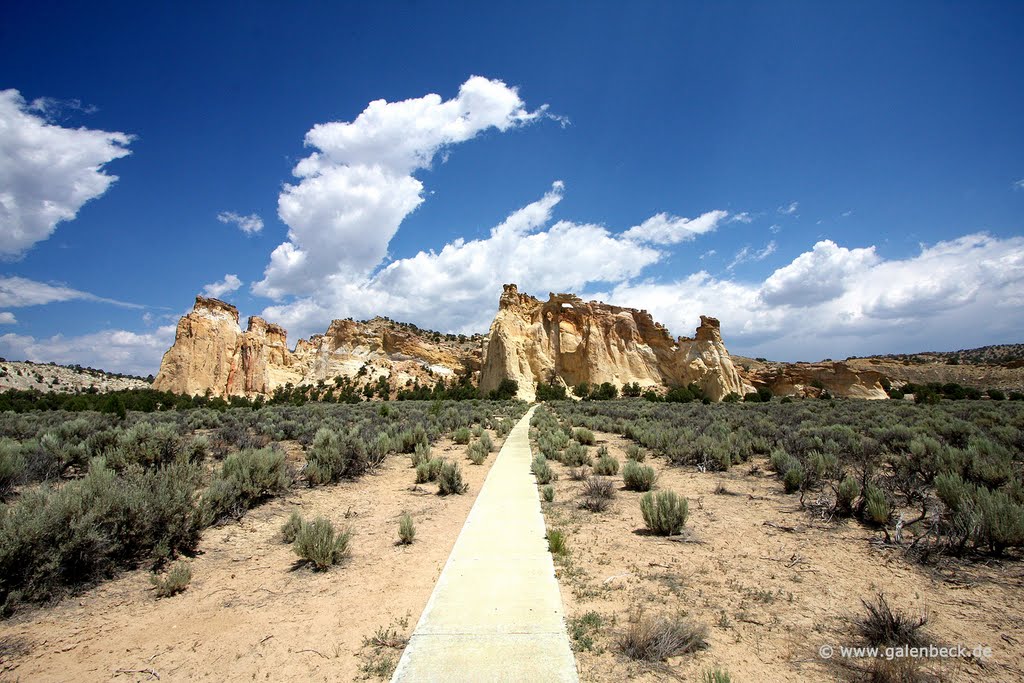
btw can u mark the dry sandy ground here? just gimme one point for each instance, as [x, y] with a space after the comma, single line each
[770, 597]
[249, 613]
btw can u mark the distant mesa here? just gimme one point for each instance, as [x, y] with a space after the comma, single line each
[568, 341]
[212, 354]
[561, 341]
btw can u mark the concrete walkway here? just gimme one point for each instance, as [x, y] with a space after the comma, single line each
[496, 613]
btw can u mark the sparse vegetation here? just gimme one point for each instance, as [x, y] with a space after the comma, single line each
[556, 542]
[174, 581]
[655, 639]
[582, 630]
[665, 512]
[637, 477]
[606, 465]
[318, 544]
[290, 529]
[406, 529]
[548, 493]
[449, 480]
[880, 625]
[597, 494]
[542, 470]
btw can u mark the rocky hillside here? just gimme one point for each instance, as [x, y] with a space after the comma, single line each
[47, 377]
[212, 353]
[566, 341]
[813, 379]
[864, 377]
[1011, 355]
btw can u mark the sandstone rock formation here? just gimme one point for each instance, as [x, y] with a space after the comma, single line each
[839, 379]
[212, 353]
[566, 340]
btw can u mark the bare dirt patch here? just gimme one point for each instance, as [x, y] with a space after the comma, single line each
[772, 582]
[250, 612]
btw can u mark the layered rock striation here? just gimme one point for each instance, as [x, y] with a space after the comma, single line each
[811, 380]
[211, 353]
[565, 340]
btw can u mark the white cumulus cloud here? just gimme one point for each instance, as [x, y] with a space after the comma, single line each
[111, 350]
[250, 224]
[817, 275]
[357, 187]
[836, 301]
[7, 318]
[789, 209]
[47, 172]
[456, 289]
[229, 284]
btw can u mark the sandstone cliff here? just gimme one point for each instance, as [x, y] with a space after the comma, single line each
[212, 353]
[566, 340]
[811, 379]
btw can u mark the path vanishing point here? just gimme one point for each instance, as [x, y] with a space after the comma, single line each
[495, 613]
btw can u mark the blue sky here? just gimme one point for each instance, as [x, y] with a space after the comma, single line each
[826, 179]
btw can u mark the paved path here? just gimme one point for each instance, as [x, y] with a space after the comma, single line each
[496, 613]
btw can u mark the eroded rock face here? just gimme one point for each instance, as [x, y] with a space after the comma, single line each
[212, 353]
[838, 378]
[566, 340]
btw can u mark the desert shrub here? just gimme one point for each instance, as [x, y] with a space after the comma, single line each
[584, 436]
[420, 453]
[794, 477]
[461, 436]
[318, 544]
[246, 478]
[174, 581]
[1001, 521]
[548, 493]
[664, 512]
[477, 453]
[150, 445]
[485, 443]
[606, 465]
[578, 473]
[582, 630]
[633, 452]
[53, 540]
[847, 492]
[897, 670]
[503, 427]
[881, 626]
[637, 477]
[477, 430]
[406, 529]
[290, 529]
[876, 505]
[556, 542]
[575, 455]
[434, 468]
[655, 639]
[334, 455]
[717, 675]
[597, 494]
[429, 470]
[542, 470]
[449, 480]
[779, 461]
[12, 466]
